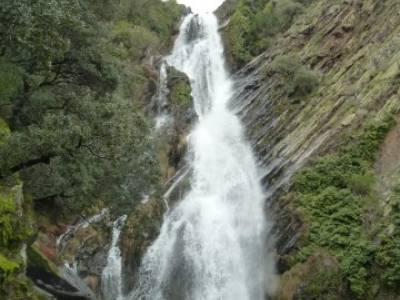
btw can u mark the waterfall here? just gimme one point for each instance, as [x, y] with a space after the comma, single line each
[212, 244]
[162, 117]
[111, 279]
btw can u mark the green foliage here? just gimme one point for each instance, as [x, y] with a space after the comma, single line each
[323, 285]
[160, 17]
[331, 194]
[10, 81]
[305, 82]
[13, 230]
[254, 25]
[7, 268]
[181, 95]
[361, 184]
[388, 256]
[14, 286]
[180, 92]
[371, 138]
[238, 34]
[74, 82]
[299, 81]
[133, 41]
[286, 65]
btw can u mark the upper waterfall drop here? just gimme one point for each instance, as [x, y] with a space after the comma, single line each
[203, 6]
[212, 244]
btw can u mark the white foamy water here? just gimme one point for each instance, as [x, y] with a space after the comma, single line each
[212, 244]
[111, 279]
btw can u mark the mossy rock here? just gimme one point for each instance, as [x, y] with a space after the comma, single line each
[37, 260]
[13, 283]
[7, 268]
[14, 228]
[180, 91]
[141, 229]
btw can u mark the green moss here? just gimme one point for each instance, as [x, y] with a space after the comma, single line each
[14, 229]
[331, 195]
[181, 95]
[13, 285]
[18, 287]
[7, 268]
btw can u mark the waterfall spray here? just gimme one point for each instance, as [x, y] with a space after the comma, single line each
[212, 244]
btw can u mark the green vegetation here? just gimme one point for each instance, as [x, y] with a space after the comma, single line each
[7, 268]
[332, 195]
[254, 25]
[299, 81]
[74, 80]
[388, 256]
[180, 92]
[72, 83]
[13, 229]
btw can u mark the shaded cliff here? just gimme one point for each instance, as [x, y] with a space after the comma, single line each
[326, 87]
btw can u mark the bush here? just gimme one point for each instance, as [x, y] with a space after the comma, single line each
[238, 33]
[286, 65]
[362, 184]
[10, 81]
[388, 256]
[299, 80]
[332, 194]
[135, 40]
[286, 10]
[255, 24]
[304, 82]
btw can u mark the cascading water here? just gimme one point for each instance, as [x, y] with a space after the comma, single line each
[111, 279]
[161, 98]
[212, 244]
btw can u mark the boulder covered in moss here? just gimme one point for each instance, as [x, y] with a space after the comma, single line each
[180, 97]
[140, 231]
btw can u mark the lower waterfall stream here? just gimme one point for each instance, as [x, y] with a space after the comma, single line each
[212, 244]
[111, 279]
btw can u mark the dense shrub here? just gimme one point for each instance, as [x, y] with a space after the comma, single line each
[388, 256]
[255, 24]
[331, 195]
[304, 82]
[298, 80]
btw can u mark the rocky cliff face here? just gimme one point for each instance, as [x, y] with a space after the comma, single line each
[353, 48]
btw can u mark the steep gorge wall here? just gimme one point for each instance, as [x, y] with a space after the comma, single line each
[354, 48]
